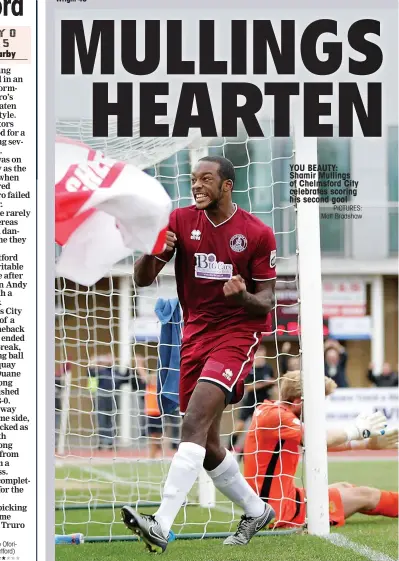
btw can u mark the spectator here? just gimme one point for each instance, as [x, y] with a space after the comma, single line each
[172, 423]
[288, 363]
[387, 379]
[154, 418]
[138, 383]
[335, 358]
[169, 423]
[104, 381]
[139, 375]
[257, 388]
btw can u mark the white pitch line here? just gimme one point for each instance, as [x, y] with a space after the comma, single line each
[341, 541]
[118, 480]
[67, 461]
[153, 486]
[228, 510]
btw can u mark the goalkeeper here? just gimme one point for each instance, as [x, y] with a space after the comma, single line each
[271, 458]
[258, 385]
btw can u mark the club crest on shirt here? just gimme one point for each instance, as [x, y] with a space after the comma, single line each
[238, 243]
[208, 267]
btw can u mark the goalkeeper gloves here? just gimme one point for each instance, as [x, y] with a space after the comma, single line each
[366, 426]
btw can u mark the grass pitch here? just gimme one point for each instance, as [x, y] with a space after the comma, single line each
[107, 482]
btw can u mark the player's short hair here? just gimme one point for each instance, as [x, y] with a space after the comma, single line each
[226, 168]
[291, 386]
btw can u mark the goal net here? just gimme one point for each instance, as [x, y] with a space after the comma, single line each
[109, 452]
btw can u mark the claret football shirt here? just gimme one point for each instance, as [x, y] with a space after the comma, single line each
[207, 256]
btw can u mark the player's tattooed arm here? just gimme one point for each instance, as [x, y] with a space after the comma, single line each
[148, 267]
[258, 304]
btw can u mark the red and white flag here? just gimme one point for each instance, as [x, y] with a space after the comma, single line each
[104, 210]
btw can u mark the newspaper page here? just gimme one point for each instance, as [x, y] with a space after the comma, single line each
[198, 279]
[18, 280]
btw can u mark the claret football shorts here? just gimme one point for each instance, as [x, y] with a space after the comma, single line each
[224, 360]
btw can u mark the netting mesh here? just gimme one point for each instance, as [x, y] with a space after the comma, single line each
[142, 152]
[109, 452]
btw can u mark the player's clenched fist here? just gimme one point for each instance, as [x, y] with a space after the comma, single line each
[235, 289]
[170, 241]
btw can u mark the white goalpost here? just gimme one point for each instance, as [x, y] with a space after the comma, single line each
[116, 318]
[311, 317]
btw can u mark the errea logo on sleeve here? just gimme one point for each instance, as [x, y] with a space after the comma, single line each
[11, 8]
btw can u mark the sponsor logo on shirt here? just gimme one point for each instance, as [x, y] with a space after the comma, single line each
[238, 243]
[208, 267]
[273, 259]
